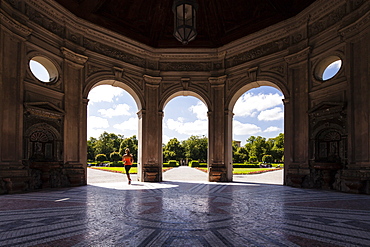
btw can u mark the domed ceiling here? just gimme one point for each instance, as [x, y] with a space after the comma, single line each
[218, 21]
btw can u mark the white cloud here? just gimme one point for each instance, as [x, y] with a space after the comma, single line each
[272, 129]
[165, 139]
[96, 126]
[94, 122]
[249, 104]
[131, 124]
[276, 113]
[200, 110]
[198, 127]
[245, 129]
[118, 110]
[103, 93]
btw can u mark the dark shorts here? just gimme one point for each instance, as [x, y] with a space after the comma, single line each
[127, 168]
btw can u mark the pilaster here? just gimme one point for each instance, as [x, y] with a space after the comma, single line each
[150, 138]
[75, 117]
[296, 119]
[218, 158]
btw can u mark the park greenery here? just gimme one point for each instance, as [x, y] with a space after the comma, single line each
[110, 147]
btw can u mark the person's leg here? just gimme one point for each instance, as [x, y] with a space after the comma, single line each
[127, 168]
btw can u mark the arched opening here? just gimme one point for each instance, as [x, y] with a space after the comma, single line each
[112, 126]
[258, 129]
[185, 136]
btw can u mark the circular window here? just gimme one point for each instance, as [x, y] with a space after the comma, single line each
[328, 68]
[43, 69]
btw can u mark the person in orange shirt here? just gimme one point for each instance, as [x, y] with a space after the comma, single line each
[128, 159]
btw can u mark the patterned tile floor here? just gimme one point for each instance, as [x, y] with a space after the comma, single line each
[179, 213]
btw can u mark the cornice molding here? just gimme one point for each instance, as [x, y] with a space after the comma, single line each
[359, 24]
[14, 25]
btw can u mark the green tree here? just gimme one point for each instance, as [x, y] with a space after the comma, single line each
[173, 150]
[240, 155]
[256, 147]
[115, 156]
[108, 143]
[101, 157]
[91, 148]
[267, 158]
[278, 147]
[130, 143]
[196, 148]
[253, 159]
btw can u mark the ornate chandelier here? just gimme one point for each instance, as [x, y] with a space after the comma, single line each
[184, 16]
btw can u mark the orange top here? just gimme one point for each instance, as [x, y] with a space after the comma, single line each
[128, 161]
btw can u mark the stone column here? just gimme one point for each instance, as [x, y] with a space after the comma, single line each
[150, 134]
[296, 120]
[75, 118]
[219, 130]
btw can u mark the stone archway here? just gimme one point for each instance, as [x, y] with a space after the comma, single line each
[243, 89]
[126, 85]
[200, 122]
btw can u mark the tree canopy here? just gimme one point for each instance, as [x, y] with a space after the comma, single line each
[256, 149]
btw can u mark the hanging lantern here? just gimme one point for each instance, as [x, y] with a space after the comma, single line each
[184, 15]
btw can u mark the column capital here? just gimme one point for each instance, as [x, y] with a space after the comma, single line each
[217, 81]
[141, 113]
[76, 59]
[298, 56]
[152, 81]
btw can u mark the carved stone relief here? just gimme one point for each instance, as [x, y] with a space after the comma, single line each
[113, 52]
[258, 52]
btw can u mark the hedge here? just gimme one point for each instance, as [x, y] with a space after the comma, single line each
[195, 163]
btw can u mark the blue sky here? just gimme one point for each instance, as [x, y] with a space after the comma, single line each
[257, 112]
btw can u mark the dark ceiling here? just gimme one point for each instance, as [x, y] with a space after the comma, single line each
[218, 21]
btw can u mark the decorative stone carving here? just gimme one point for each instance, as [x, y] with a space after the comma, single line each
[44, 110]
[356, 26]
[113, 52]
[44, 21]
[327, 21]
[258, 52]
[14, 25]
[118, 72]
[185, 83]
[185, 66]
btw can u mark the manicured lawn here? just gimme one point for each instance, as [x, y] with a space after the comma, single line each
[133, 170]
[235, 170]
[240, 171]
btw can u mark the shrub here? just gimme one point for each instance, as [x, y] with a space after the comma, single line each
[115, 156]
[173, 163]
[194, 163]
[245, 165]
[267, 158]
[101, 157]
[253, 159]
